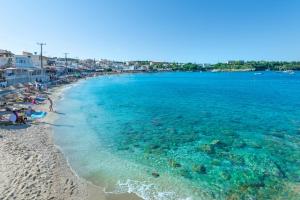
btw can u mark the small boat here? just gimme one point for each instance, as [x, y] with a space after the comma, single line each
[288, 71]
[258, 73]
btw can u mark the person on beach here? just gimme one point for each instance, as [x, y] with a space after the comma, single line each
[16, 118]
[33, 101]
[13, 117]
[51, 104]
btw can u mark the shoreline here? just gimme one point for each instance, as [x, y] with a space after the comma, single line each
[93, 191]
[32, 166]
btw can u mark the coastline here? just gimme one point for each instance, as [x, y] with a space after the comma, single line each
[33, 167]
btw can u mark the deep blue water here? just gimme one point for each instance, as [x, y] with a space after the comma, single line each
[207, 135]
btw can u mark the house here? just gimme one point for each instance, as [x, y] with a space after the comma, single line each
[5, 54]
[23, 61]
[6, 62]
[21, 68]
[6, 58]
[36, 59]
[18, 61]
[14, 75]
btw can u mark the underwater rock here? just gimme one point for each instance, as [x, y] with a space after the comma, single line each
[211, 148]
[165, 147]
[200, 169]
[233, 196]
[195, 122]
[185, 173]
[120, 148]
[155, 174]
[179, 117]
[207, 148]
[278, 134]
[230, 134]
[240, 145]
[190, 138]
[216, 162]
[245, 191]
[225, 175]
[147, 150]
[172, 131]
[279, 171]
[254, 145]
[136, 145]
[156, 123]
[236, 159]
[154, 146]
[247, 186]
[174, 164]
[153, 150]
[218, 143]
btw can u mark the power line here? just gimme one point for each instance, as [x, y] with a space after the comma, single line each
[41, 44]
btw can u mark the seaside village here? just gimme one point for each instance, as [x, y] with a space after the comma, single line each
[25, 81]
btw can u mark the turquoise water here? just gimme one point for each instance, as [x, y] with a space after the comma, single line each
[186, 135]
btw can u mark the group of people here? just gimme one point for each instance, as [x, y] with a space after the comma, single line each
[22, 116]
[39, 85]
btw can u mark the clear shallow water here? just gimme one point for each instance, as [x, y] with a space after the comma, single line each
[207, 135]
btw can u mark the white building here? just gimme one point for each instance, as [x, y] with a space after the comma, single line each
[18, 61]
[6, 58]
[4, 62]
[5, 53]
[14, 76]
[36, 59]
[23, 61]
[21, 68]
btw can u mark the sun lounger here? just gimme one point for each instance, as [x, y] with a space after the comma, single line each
[38, 115]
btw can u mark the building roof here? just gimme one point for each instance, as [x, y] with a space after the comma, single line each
[2, 51]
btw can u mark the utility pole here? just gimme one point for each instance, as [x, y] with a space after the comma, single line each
[41, 58]
[66, 61]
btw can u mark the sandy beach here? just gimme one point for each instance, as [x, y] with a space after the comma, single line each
[32, 167]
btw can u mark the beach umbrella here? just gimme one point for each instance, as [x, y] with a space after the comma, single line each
[26, 93]
[11, 87]
[20, 106]
[19, 94]
[20, 85]
[8, 96]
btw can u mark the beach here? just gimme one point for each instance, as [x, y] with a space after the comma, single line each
[33, 167]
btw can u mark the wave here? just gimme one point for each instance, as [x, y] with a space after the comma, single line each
[147, 191]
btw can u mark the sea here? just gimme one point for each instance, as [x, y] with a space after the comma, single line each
[185, 135]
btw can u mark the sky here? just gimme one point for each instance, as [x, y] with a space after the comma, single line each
[200, 31]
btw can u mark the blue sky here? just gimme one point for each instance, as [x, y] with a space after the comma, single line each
[163, 30]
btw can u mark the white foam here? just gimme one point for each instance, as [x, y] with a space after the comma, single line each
[147, 191]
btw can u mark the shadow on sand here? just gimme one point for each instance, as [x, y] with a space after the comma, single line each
[15, 127]
[59, 113]
[57, 125]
